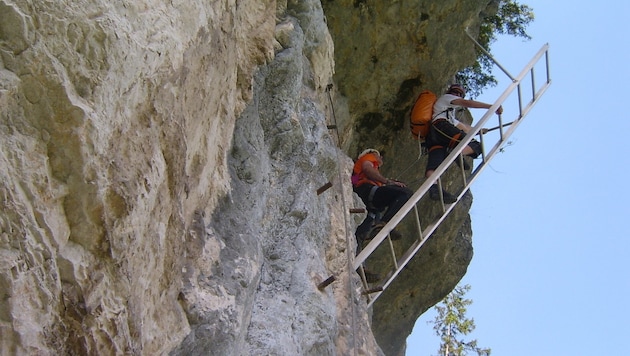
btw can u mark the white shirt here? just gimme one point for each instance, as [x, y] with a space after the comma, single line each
[444, 103]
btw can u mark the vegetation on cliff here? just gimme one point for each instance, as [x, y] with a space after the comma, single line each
[512, 19]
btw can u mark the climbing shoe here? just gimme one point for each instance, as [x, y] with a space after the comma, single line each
[434, 194]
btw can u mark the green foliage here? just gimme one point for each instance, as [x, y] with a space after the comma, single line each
[511, 19]
[451, 323]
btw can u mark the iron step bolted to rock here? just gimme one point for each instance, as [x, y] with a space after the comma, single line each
[328, 281]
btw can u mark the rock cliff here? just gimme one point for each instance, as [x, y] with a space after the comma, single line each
[161, 165]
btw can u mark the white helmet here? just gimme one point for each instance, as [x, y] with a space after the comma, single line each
[369, 150]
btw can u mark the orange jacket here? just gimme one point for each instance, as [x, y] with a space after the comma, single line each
[358, 176]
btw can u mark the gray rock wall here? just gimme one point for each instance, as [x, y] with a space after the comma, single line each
[385, 54]
[116, 122]
[159, 168]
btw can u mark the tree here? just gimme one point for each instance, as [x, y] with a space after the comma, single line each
[511, 19]
[451, 324]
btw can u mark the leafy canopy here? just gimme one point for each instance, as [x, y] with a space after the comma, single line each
[511, 19]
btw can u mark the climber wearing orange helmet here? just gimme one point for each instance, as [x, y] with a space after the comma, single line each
[377, 192]
[446, 132]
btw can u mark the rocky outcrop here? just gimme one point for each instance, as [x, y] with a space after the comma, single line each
[385, 53]
[160, 169]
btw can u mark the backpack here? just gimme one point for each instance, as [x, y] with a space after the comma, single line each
[421, 114]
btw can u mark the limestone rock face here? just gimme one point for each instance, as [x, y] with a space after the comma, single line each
[116, 123]
[161, 165]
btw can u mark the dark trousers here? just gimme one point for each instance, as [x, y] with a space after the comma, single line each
[444, 136]
[390, 197]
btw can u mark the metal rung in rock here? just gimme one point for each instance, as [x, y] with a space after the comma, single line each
[324, 188]
[326, 282]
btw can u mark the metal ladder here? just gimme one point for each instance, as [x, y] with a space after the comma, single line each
[505, 130]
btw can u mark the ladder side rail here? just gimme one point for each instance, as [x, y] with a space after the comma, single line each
[489, 154]
[424, 188]
[411, 252]
[415, 198]
[406, 258]
[515, 124]
[415, 247]
[402, 213]
[477, 128]
[374, 297]
[475, 174]
[408, 255]
[512, 127]
[527, 108]
[491, 111]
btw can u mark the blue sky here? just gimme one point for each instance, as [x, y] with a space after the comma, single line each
[550, 216]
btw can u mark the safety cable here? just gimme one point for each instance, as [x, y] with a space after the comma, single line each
[346, 222]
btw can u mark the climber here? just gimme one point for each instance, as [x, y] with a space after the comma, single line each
[446, 132]
[379, 194]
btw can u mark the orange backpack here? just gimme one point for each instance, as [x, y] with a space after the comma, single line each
[421, 114]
